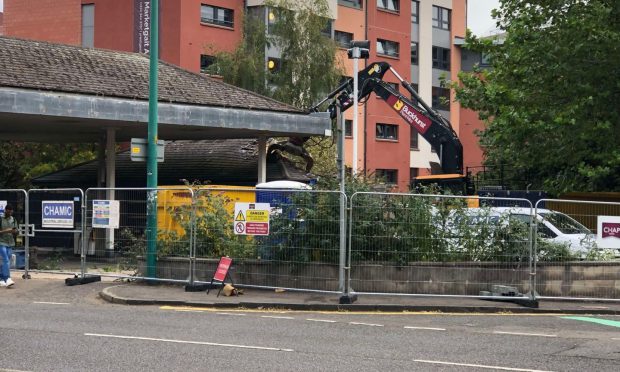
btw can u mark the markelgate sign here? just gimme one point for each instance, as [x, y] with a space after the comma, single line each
[142, 26]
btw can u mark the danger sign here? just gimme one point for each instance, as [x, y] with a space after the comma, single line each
[252, 218]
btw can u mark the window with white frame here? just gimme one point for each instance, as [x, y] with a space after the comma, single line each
[387, 132]
[388, 175]
[88, 25]
[414, 143]
[441, 18]
[415, 9]
[348, 128]
[441, 58]
[351, 3]
[206, 61]
[414, 53]
[441, 99]
[343, 39]
[391, 5]
[388, 48]
[217, 16]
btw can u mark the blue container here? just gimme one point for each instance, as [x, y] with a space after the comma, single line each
[20, 259]
[280, 200]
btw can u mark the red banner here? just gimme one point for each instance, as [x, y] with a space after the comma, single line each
[222, 269]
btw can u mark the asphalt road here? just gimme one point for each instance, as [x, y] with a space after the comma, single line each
[73, 330]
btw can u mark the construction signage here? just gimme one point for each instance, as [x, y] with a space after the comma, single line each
[251, 218]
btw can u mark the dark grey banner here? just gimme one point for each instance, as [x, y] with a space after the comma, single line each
[142, 26]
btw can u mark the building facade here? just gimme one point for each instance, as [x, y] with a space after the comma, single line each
[416, 37]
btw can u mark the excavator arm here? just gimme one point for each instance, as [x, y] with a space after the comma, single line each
[426, 121]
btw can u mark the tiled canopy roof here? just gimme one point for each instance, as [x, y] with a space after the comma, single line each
[63, 68]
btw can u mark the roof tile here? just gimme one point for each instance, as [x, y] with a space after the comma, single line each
[63, 68]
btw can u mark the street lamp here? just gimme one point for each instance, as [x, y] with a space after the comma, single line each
[359, 49]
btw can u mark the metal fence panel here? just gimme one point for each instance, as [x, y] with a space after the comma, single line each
[585, 239]
[120, 250]
[301, 250]
[55, 216]
[414, 244]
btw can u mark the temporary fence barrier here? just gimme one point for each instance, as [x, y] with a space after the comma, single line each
[55, 220]
[413, 244]
[399, 244]
[115, 242]
[577, 250]
[277, 238]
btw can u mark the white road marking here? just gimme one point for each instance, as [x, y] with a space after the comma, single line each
[366, 324]
[616, 339]
[51, 303]
[188, 342]
[321, 320]
[189, 311]
[426, 328]
[277, 317]
[524, 334]
[477, 366]
[231, 314]
[11, 370]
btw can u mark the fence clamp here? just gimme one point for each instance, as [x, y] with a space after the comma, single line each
[26, 230]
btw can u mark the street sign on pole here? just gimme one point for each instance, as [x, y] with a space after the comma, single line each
[139, 150]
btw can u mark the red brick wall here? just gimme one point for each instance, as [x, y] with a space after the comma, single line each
[389, 154]
[1, 24]
[196, 38]
[48, 20]
[113, 24]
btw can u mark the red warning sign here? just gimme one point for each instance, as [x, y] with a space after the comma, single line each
[257, 228]
[222, 269]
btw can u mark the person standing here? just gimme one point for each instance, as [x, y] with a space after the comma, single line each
[8, 231]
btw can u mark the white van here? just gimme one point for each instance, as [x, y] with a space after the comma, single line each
[553, 226]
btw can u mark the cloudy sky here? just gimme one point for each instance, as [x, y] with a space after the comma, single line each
[479, 15]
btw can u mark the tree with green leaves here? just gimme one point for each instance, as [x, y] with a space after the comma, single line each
[22, 161]
[307, 69]
[551, 97]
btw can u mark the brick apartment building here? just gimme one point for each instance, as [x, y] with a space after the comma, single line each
[416, 37]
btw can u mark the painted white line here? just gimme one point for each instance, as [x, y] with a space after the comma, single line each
[426, 328]
[277, 317]
[366, 324]
[231, 314]
[187, 342]
[321, 320]
[477, 366]
[11, 370]
[51, 303]
[524, 334]
[188, 311]
[595, 307]
[616, 339]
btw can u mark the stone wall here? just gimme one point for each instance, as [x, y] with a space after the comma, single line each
[574, 279]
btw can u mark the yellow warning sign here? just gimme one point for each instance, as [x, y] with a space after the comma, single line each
[259, 215]
[240, 216]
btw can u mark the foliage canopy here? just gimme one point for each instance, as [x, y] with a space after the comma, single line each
[551, 98]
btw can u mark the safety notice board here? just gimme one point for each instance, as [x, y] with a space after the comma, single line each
[251, 218]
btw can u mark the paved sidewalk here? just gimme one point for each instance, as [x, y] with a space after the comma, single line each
[51, 287]
[140, 293]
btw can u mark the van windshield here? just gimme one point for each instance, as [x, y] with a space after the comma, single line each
[564, 223]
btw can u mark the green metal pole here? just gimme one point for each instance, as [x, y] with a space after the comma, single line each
[151, 165]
